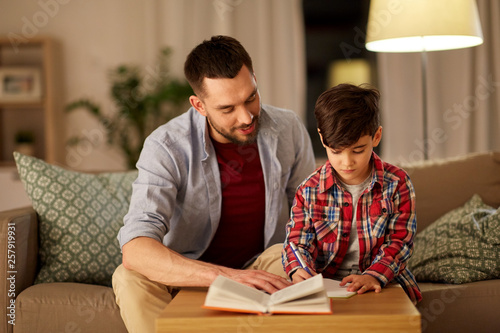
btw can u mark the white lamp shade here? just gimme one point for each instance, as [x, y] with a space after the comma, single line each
[422, 25]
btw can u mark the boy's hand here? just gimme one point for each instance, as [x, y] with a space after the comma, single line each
[301, 275]
[361, 283]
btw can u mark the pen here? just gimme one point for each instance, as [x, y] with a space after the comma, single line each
[299, 258]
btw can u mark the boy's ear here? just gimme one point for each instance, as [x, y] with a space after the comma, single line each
[197, 104]
[321, 138]
[377, 136]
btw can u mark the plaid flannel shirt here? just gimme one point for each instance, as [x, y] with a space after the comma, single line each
[321, 219]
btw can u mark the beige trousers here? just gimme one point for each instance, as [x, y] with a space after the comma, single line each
[141, 300]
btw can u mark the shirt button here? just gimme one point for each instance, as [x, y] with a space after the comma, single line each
[346, 204]
[345, 234]
[384, 210]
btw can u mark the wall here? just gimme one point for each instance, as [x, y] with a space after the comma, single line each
[12, 194]
[92, 36]
[95, 36]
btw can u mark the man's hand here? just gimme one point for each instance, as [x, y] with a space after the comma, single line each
[361, 283]
[259, 279]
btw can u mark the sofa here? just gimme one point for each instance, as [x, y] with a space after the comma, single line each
[442, 187]
[86, 303]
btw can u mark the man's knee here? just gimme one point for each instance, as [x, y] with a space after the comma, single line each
[119, 275]
[124, 278]
[274, 250]
[270, 260]
[272, 253]
[131, 284]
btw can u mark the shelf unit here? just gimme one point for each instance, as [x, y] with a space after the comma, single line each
[41, 117]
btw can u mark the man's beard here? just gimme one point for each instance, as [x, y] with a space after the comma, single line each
[233, 138]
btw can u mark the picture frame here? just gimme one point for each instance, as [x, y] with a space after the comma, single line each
[20, 84]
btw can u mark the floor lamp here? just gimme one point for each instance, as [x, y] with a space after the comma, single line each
[422, 26]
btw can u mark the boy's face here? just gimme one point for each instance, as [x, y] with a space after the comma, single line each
[352, 164]
[232, 107]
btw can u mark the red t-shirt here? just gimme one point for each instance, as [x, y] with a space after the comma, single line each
[240, 235]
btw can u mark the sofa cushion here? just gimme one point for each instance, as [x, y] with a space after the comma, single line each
[68, 307]
[445, 184]
[80, 215]
[461, 246]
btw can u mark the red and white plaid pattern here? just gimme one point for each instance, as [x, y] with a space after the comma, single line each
[321, 220]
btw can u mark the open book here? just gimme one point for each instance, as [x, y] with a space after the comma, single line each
[308, 296]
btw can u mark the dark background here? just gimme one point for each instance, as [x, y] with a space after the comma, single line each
[334, 30]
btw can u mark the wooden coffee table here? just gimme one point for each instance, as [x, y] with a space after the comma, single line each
[389, 311]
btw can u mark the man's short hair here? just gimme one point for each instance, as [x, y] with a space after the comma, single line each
[219, 57]
[345, 113]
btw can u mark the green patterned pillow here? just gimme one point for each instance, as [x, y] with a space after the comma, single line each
[80, 215]
[462, 246]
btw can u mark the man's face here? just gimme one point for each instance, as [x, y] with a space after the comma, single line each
[232, 108]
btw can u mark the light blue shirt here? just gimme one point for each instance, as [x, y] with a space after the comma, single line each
[176, 197]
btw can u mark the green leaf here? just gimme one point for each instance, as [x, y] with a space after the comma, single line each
[142, 102]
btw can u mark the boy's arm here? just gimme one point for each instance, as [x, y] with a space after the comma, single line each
[400, 229]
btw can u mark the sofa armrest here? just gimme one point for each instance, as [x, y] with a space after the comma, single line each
[18, 258]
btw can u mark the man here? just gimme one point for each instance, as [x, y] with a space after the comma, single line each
[214, 189]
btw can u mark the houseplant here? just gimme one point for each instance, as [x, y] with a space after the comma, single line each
[25, 142]
[142, 102]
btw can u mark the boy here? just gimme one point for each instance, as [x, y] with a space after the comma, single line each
[354, 218]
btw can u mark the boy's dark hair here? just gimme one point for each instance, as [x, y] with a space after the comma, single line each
[219, 57]
[345, 113]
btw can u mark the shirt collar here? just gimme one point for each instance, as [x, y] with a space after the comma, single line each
[378, 170]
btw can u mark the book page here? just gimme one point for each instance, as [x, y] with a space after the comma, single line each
[298, 290]
[316, 303]
[308, 296]
[227, 293]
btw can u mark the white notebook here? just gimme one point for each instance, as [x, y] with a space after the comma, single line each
[334, 290]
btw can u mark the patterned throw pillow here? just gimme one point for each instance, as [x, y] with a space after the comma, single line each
[80, 215]
[462, 246]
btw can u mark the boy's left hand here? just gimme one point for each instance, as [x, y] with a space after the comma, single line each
[361, 283]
